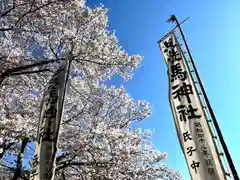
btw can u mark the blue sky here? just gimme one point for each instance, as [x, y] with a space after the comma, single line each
[212, 33]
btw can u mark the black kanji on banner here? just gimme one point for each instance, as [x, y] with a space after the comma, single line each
[182, 113]
[184, 90]
[168, 44]
[198, 125]
[201, 138]
[174, 55]
[195, 165]
[35, 160]
[191, 112]
[48, 136]
[177, 72]
[187, 136]
[211, 170]
[205, 151]
[50, 113]
[199, 130]
[187, 113]
[190, 150]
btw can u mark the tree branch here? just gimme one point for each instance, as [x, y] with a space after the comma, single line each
[17, 173]
[5, 148]
[76, 163]
[61, 157]
[31, 72]
[5, 29]
[10, 72]
[63, 175]
[26, 13]
[12, 8]
[99, 63]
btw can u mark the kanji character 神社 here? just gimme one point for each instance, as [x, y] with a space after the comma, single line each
[187, 113]
[184, 90]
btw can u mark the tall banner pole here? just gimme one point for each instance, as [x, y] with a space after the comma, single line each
[224, 146]
[49, 123]
[190, 119]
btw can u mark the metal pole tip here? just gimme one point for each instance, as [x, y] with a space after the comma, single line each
[172, 18]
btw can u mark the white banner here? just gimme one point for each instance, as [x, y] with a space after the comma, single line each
[190, 119]
[50, 119]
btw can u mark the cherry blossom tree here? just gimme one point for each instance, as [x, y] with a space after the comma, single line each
[96, 138]
[71, 27]
[97, 141]
[94, 54]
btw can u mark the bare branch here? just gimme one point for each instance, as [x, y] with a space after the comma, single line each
[32, 72]
[17, 173]
[5, 147]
